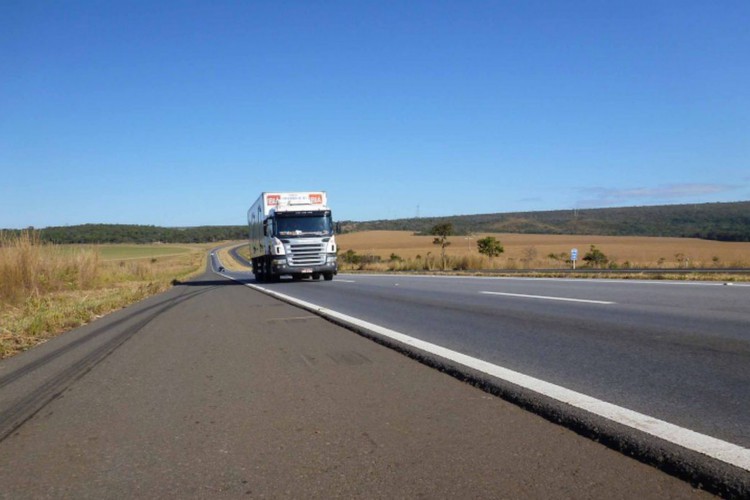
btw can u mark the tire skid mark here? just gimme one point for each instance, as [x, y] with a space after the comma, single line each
[27, 407]
[38, 363]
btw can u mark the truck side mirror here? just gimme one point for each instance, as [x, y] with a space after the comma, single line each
[265, 228]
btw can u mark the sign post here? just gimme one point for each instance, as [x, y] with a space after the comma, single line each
[574, 256]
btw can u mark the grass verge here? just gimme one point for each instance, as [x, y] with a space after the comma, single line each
[48, 289]
[228, 261]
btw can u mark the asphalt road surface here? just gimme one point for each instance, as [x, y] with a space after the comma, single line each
[677, 351]
[214, 389]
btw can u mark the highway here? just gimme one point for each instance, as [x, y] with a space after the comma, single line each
[677, 351]
[215, 389]
[646, 365]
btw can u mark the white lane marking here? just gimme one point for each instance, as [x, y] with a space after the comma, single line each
[344, 281]
[546, 297]
[713, 447]
[614, 281]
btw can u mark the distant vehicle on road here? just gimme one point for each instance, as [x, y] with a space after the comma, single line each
[292, 234]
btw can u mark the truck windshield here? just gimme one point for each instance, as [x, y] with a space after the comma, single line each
[312, 224]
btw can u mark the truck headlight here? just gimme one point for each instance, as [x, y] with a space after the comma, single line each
[278, 247]
[331, 247]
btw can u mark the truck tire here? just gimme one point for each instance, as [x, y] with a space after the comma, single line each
[328, 276]
[258, 270]
[269, 276]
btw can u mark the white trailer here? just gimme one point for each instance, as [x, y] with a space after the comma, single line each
[292, 234]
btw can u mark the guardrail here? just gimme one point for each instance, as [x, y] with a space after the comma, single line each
[738, 270]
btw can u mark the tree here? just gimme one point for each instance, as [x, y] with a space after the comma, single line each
[595, 257]
[529, 254]
[490, 246]
[442, 231]
[559, 257]
[350, 257]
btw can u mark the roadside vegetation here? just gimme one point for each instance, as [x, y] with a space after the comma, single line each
[538, 254]
[441, 233]
[406, 251]
[228, 261]
[46, 289]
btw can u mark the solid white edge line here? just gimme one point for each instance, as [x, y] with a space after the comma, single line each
[713, 447]
[545, 297]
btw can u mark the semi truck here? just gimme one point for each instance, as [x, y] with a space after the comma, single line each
[291, 234]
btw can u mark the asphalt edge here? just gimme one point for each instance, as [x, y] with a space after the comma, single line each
[701, 471]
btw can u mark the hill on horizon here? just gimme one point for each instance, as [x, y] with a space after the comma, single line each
[712, 221]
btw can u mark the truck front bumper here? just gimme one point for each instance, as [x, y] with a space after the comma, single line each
[281, 267]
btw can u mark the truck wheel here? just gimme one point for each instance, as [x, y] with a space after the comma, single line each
[328, 276]
[269, 276]
[257, 270]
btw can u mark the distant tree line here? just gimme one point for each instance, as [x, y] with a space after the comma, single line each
[712, 221]
[131, 233]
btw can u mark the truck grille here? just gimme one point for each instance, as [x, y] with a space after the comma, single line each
[307, 254]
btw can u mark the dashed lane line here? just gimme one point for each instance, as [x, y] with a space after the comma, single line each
[546, 297]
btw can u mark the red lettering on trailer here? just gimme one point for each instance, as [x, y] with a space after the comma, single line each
[316, 199]
[272, 200]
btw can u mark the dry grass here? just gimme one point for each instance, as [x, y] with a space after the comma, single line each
[228, 261]
[30, 269]
[532, 250]
[47, 289]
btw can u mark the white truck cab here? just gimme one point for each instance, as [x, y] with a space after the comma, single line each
[292, 234]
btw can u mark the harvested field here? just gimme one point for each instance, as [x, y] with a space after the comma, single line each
[123, 252]
[532, 250]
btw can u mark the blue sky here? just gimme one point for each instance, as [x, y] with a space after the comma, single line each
[181, 113]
